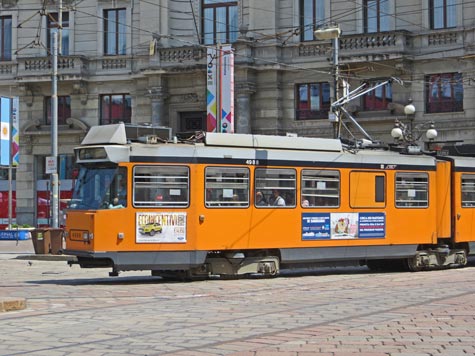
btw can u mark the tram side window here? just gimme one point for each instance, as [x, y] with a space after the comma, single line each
[320, 188]
[227, 187]
[468, 190]
[277, 187]
[412, 190]
[161, 186]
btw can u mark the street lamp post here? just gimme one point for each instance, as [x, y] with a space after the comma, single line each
[410, 110]
[54, 198]
[409, 135]
[333, 33]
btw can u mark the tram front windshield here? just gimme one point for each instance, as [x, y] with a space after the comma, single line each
[99, 188]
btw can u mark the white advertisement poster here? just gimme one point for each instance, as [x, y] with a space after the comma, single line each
[163, 227]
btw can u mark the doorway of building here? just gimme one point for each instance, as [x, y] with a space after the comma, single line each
[190, 122]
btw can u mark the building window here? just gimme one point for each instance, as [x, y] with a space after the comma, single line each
[114, 32]
[444, 93]
[376, 14]
[53, 27]
[442, 13]
[312, 15]
[379, 98]
[190, 122]
[64, 109]
[313, 101]
[5, 38]
[116, 108]
[220, 21]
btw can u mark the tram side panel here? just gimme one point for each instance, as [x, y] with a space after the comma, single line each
[359, 219]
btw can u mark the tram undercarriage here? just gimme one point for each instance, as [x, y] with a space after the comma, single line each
[265, 263]
[427, 259]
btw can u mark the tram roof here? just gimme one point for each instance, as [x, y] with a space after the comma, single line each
[240, 146]
[118, 134]
[278, 142]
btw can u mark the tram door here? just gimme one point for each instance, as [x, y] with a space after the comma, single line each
[464, 207]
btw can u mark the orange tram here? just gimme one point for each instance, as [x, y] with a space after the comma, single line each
[241, 204]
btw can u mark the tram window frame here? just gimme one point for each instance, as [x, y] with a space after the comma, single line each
[467, 190]
[266, 180]
[227, 187]
[320, 188]
[161, 186]
[409, 190]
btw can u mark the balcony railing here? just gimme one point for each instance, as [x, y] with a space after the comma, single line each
[181, 55]
[353, 48]
[40, 68]
[378, 46]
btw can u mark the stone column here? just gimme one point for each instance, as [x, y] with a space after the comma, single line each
[243, 116]
[158, 95]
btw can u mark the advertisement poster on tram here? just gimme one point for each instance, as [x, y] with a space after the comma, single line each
[163, 227]
[325, 226]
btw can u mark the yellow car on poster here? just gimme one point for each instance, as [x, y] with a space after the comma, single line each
[150, 229]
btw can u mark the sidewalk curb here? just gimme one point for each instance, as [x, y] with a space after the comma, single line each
[11, 304]
[46, 257]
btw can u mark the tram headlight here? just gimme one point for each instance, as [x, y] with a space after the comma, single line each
[87, 236]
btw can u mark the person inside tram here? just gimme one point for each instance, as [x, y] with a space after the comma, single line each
[260, 200]
[122, 192]
[278, 200]
[120, 199]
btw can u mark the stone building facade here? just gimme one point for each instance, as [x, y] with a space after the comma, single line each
[144, 62]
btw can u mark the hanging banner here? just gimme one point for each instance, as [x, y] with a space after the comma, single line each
[15, 147]
[5, 118]
[227, 89]
[211, 90]
[220, 89]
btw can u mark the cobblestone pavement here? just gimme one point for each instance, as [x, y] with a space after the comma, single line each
[336, 312]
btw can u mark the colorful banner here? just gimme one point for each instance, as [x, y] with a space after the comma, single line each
[335, 226]
[15, 147]
[220, 89]
[165, 227]
[5, 118]
[227, 89]
[211, 90]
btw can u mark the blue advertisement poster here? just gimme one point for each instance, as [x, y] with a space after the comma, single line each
[372, 225]
[338, 226]
[315, 226]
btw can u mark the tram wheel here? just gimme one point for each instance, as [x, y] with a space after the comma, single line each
[413, 264]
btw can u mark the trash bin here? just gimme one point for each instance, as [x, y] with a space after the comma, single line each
[41, 241]
[47, 240]
[56, 240]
